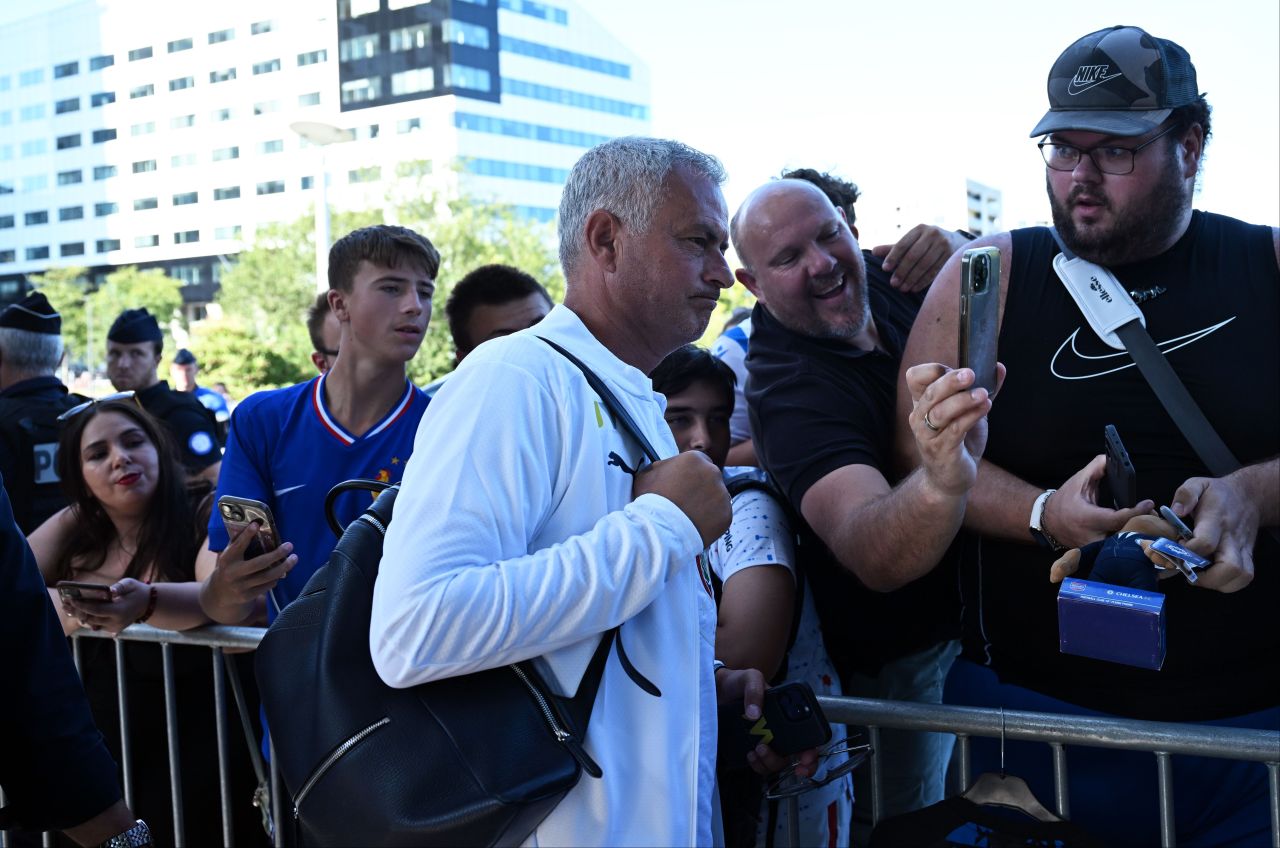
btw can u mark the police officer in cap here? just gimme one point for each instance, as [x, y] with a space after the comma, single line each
[134, 346]
[31, 399]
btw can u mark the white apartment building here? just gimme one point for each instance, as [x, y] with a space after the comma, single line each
[159, 134]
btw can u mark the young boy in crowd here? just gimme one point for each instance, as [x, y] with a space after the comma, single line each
[754, 564]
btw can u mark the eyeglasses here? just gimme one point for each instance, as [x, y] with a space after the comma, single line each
[326, 352]
[1109, 158]
[89, 404]
[787, 785]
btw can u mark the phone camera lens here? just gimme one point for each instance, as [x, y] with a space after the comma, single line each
[981, 269]
[237, 513]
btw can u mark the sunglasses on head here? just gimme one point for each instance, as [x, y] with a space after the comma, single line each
[89, 404]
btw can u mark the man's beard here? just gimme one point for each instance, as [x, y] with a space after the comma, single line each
[848, 326]
[1143, 231]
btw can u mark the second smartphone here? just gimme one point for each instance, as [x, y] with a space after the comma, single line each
[980, 313]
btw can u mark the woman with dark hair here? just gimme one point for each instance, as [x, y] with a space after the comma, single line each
[134, 525]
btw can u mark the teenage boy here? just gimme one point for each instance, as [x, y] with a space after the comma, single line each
[289, 446]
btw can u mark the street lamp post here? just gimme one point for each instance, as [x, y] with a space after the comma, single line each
[322, 135]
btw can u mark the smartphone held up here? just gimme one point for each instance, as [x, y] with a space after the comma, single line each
[980, 314]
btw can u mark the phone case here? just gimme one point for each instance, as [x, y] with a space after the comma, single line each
[1122, 479]
[239, 513]
[792, 721]
[979, 313]
[84, 591]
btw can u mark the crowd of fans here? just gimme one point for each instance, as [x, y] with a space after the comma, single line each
[862, 517]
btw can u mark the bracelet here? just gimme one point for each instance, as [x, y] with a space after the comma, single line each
[138, 836]
[151, 606]
[716, 665]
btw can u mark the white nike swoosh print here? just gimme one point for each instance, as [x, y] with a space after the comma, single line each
[1073, 89]
[1068, 354]
[286, 491]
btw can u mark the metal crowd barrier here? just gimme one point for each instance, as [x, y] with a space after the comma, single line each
[1162, 739]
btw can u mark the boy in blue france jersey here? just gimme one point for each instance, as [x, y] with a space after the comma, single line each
[287, 447]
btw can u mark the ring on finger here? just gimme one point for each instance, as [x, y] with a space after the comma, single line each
[934, 427]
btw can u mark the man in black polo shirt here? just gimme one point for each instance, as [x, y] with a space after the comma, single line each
[828, 336]
[31, 399]
[134, 345]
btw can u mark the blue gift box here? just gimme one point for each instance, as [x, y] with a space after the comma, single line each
[1113, 623]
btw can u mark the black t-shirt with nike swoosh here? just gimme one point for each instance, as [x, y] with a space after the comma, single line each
[1216, 321]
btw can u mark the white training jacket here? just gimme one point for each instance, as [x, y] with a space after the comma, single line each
[514, 537]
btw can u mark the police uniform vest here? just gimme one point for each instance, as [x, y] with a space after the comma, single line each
[29, 429]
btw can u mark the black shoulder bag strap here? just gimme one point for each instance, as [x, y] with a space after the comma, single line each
[1173, 395]
[619, 412]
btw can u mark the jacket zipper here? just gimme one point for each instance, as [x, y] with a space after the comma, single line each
[337, 754]
[563, 736]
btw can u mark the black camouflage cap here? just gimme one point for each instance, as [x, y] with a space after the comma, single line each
[1118, 81]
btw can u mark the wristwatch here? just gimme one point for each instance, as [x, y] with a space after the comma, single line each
[137, 836]
[1038, 532]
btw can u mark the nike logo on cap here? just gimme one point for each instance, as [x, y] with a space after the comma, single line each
[1069, 363]
[1089, 76]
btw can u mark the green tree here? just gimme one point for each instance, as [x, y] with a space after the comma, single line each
[231, 352]
[130, 288]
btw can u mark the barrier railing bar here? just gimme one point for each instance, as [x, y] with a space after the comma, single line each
[1273, 774]
[1132, 734]
[965, 769]
[277, 796]
[122, 700]
[793, 821]
[1060, 800]
[220, 727]
[1164, 776]
[171, 733]
[877, 776]
[210, 636]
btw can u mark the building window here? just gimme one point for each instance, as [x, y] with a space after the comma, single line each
[6, 117]
[99, 136]
[260, 27]
[358, 47]
[465, 76]
[309, 99]
[516, 171]
[266, 106]
[34, 147]
[221, 36]
[348, 9]
[224, 153]
[181, 83]
[34, 182]
[222, 233]
[70, 177]
[267, 67]
[409, 82]
[71, 104]
[312, 57]
[68, 69]
[102, 210]
[102, 98]
[186, 198]
[365, 175]
[97, 63]
[66, 142]
[564, 57]
[71, 213]
[104, 172]
[144, 203]
[143, 166]
[222, 76]
[6, 186]
[75, 248]
[307, 182]
[107, 245]
[408, 125]
[145, 128]
[6, 152]
[32, 112]
[520, 88]
[534, 10]
[8, 256]
[410, 38]
[31, 77]
[186, 237]
[6, 222]
[141, 91]
[461, 32]
[146, 241]
[272, 187]
[229, 193]
[361, 90]
[273, 146]
[180, 45]
[519, 129]
[37, 253]
[220, 115]
[181, 121]
[140, 53]
[182, 160]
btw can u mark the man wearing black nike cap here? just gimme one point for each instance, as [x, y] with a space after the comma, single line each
[1122, 143]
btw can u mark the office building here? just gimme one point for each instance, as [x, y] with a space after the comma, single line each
[163, 134]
